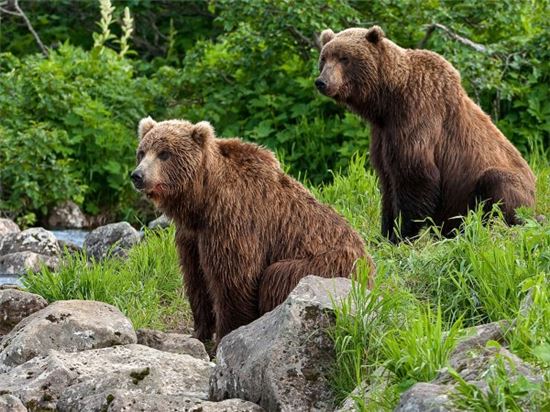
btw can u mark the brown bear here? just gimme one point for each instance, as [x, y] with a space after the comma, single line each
[246, 232]
[436, 153]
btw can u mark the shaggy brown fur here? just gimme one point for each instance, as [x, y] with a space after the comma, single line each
[435, 151]
[246, 232]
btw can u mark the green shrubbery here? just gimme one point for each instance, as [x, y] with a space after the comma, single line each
[248, 69]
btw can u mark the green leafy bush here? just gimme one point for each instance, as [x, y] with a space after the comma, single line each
[78, 110]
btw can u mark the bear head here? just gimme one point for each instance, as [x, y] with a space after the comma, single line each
[349, 62]
[169, 156]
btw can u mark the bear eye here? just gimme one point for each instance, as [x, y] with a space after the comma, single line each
[164, 155]
[140, 155]
[344, 60]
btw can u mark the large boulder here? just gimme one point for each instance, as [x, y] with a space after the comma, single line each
[472, 359]
[120, 400]
[111, 240]
[172, 342]
[67, 215]
[282, 360]
[69, 381]
[37, 240]
[69, 326]
[8, 226]
[21, 262]
[15, 305]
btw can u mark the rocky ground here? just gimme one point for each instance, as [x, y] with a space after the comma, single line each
[86, 356]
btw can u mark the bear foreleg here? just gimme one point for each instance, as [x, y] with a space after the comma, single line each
[197, 291]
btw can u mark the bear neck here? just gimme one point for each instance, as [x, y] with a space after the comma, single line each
[192, 207]
[386, 106]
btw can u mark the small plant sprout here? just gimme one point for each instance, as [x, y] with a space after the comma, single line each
[106, 19]
[127, 29]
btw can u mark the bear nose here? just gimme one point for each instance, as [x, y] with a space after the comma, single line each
[320, 84]
[137, 178]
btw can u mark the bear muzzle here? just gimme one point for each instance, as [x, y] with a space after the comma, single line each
[321, 85]
[137, 179]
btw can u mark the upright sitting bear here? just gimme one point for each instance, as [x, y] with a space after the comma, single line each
[246, 233]
[435, 152]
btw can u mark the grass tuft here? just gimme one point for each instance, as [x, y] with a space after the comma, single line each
[146, 287]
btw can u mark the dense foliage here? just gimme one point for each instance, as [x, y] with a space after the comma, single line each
[248, 67]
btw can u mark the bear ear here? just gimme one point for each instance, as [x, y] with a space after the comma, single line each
[145, 125]
[326, 36]
[202, 132]
[375, 34]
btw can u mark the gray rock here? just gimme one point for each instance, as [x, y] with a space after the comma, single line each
[9, 403]
[15, 305]
[172, 342]
[133, 401]
[472, 362]
[160, 222]
[8, 226]
[113, 239]
[36, 239]
[22, 262]
[69, 381]
[282, 360]
[425, 397]
[67, 215]
[70, 326]
[477, 337]
[472, 365]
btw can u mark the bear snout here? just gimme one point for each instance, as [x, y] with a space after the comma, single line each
[137, 179]
[321, 85]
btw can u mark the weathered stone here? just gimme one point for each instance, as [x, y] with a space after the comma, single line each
[282, 360]
[15, 305]
[114, 239]
[67, 215]
[160, 222]
[133, 400]
[172, 342]
[9, 403]
[477, 337]
[63, 381]
[36, 239]
[70, 326]
[20, 262]
[472, 363]
[425, 397]
[8, 226]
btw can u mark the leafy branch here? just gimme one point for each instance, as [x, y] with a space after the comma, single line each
[430, 29]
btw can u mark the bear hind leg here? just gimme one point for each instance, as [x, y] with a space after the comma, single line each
[280, 278]
[506, 188]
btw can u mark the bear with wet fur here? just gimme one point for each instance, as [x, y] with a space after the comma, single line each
[246, 232]
[436, 153]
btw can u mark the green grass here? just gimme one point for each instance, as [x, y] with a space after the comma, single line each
[146, 287]
[404, 330]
